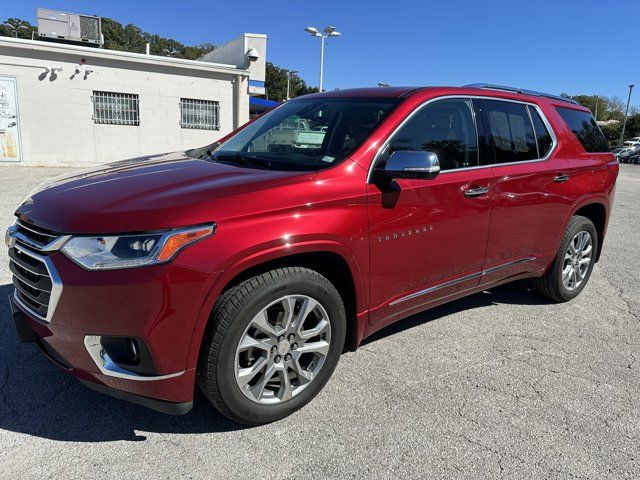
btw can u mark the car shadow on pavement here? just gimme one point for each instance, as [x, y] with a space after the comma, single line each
[38, 399]
[515, 293]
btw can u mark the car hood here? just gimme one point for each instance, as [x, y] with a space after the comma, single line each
[147, 193]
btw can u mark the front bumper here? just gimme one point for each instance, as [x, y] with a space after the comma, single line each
[158, 305]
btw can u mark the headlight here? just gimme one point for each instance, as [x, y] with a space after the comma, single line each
[126, 251]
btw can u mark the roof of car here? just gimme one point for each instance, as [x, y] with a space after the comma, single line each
[370, 92]
[489, 90]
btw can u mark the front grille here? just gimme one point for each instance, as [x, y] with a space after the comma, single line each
[34, 237]
[38, 286]
[32, 280]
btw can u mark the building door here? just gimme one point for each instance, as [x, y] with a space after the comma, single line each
[9, 121]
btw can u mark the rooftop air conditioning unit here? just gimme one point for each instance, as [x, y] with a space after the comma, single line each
[72, 28]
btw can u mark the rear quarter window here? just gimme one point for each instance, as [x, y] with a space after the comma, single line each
[585, 128]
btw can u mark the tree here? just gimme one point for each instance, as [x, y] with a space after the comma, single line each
[11, 26]
[276, 84]
[130, 38]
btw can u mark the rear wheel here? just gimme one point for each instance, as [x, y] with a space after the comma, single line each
[273, 343]
[573, 264]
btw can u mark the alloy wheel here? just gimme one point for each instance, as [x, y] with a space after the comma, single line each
[577, 260]
[282, 349]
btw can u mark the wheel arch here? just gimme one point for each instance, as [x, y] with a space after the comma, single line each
[596, 211]
[330, 259]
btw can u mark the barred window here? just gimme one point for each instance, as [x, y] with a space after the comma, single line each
[116, 108]
[201, 114]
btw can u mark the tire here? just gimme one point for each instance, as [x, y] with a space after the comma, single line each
[237, 317]
[551, 284]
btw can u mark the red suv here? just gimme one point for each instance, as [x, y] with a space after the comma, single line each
[248, 266]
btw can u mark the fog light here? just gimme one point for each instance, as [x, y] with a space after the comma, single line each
[130, 347]
[128, 353]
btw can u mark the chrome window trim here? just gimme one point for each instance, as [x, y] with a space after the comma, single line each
[470, 97]
[465, 278]
[108, 367]
[56, 288]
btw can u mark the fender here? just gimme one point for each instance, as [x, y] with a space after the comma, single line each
[583, 201]
[270, 254]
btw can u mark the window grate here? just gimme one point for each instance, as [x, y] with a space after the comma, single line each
[116, 108]
[200, 114]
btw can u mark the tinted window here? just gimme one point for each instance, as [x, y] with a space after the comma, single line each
[511, 132]
[305, 134]
[446, 128]
[585, 129]
[542, 134]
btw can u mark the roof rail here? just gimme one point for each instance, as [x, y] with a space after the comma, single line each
[491, 86]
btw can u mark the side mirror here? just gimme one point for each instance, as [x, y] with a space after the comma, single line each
[412, 164]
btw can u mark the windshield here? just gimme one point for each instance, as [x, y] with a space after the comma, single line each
[305, 134]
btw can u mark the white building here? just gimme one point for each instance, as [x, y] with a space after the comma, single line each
[73, 105]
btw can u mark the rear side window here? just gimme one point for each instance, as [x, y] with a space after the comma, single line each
[585, 129]
[545, 142]
[512, 133]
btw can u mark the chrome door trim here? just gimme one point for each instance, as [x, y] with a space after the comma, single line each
[456, 281]
[449, 283]
[552, 133]
[513, 263]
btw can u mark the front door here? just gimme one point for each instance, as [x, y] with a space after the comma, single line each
[428, 237]
[9, 121]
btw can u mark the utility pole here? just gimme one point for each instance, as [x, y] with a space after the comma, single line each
[596, 108]
[624, 122]
[289, 73]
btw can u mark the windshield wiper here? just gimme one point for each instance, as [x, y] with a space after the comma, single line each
[243, 160]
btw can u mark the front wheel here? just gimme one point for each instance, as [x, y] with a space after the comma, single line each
[572, 267]
[272, 345]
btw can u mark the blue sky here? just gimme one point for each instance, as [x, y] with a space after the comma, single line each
[584, 46]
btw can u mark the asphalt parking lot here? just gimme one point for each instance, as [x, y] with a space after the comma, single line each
[501, 384]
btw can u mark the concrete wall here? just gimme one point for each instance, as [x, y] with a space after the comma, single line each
[234, 53]
[56, 111]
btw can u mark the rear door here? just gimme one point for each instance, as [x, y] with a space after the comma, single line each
[529, 196]
[428, 237]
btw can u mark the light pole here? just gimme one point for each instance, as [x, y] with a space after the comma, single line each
[15, 26]
[624, 122]
[289, 73]
[326, 33]
[171, 52]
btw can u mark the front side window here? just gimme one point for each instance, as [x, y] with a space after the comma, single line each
[585, 129]
[116, 108]
[511, 132]
[444, 127]
[306, 134]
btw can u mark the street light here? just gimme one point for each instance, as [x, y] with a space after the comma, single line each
[15, 26]
[624, 122]
[289, 73]
[326, 33]
[171, 51]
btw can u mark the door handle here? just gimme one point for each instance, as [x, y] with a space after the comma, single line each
[475, 192]
[561, 178]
